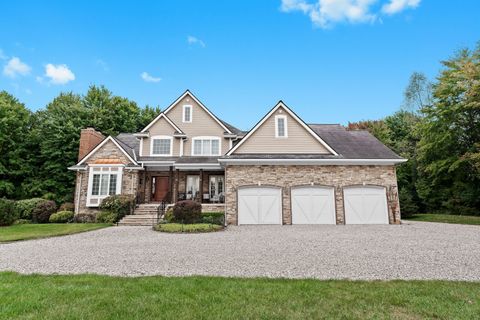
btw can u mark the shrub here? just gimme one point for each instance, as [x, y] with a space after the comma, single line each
[8, 214]
[43, 210]
[187, 228]
[121, 205]
[213, 217]
[106, 217]
[25, 207]
[61, 217]
[187, 211]
[168, 216]
[67, 206]
[84, 218]
[22, 221]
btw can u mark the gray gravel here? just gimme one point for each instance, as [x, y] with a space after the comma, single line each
[411, 251]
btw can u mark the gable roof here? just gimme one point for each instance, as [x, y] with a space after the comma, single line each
[187, 92]
[163, 115]
[280, 104]
[103, 142]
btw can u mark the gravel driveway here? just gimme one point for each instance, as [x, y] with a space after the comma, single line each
[415, 250]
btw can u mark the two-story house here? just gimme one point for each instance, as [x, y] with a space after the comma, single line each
[282, 171]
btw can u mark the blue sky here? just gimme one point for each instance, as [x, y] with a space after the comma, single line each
[331, 61]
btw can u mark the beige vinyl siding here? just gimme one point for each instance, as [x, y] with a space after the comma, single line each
[161, 128]
[202, 125]
[299, 140]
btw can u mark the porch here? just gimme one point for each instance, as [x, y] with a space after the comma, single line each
[169, 184]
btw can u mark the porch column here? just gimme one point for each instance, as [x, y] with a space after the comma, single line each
[170, 188]
[144, 186]
[201, 186]
[175, 191]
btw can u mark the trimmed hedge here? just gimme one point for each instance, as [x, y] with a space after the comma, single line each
[61, 217]
[106, 217]
[42, 212]
[120, 205]
[8, 213]
[188, 228]
[25, 207]
[187, 211]
[213, 217]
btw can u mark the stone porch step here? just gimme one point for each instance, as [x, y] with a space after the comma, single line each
[138, 220]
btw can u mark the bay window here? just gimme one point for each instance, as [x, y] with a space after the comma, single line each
[103, 181]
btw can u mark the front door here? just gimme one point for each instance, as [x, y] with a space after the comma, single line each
[160, 186]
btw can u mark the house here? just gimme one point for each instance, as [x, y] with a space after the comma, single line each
[282, 171]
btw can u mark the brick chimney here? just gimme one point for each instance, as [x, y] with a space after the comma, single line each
[89, 139]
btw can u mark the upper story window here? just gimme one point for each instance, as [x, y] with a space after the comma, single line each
[281, 126]
[187, 113]
[161, 146]
[206, 146]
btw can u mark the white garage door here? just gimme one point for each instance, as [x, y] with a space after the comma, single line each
[365, 205]
[259, 205]
[313, 205]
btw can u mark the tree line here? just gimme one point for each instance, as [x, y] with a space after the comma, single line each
[37, 147]
[437, 130]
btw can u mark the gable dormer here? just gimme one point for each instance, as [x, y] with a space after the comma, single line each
[281, 131]
[197, 130]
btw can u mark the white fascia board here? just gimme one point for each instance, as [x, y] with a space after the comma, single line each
[162, 115]
[381, 162]
[198, 166]
[201, 105]
[109, 138]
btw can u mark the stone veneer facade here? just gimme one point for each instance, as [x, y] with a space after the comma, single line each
[129, 177]
[287, 176]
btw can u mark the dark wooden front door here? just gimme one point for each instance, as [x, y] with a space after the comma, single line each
[160, 186]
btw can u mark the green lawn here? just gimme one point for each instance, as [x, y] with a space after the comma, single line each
[446, 218]
[102, 297]
[34, 231]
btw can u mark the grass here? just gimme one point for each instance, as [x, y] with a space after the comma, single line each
[103, 297]
[446, 218]
[35, 231]
[188, 228]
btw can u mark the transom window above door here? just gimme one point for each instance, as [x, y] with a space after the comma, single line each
[206, 146]
[161, 146]
[187, 113]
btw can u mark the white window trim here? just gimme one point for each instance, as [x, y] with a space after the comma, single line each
[157, 138]
[191, 113]
[284, 117]
[118, 190]
[206, 138]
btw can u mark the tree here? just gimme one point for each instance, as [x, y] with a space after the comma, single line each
[449, 148]
[418, 93]
[15, 121]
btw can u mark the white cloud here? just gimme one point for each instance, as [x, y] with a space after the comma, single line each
[2, 55]
[325, 13]
[193, 40]
[102, 64]
[396, 6]
[148, 78]
[16, 67]
[58, 74]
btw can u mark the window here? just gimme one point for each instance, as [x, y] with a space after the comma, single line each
[206, 146]
[187, 113]
[161, 146]
[217, 188]
[103, 181]
[281, 126]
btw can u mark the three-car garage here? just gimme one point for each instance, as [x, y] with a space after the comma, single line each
[312, 204]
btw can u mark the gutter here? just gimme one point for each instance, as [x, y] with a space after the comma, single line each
[381, 162]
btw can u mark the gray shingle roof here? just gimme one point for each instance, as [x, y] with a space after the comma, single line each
[353, 144]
